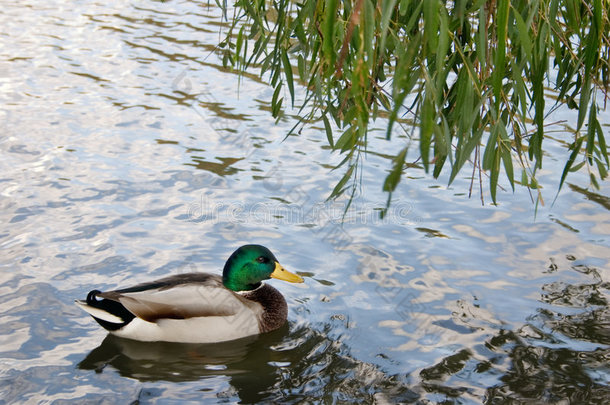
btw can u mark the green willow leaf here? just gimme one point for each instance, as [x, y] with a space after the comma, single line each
[494, 174]
[575, 147]
[481, 39]
[347, 140]
[368, 25]
[276, 102]
[603, 173]
[386, 13]
[577, 167]
[301, 67]
[338, 190]
[524, 180]
[239, 43]
[593, 180]
[500, 55]
[328, 40]
[392, 179]
[584, 102]
[490, 149]
[431, 23]
[426, 129]
[288, 74]
[443, 38]
[601, 140]
[591, 131]
[523, 32]
[508, 166]
[329, 131]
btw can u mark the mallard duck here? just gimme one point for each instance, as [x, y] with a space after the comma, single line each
[198, 307]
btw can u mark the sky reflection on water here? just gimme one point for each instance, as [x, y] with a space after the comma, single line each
[128, 154]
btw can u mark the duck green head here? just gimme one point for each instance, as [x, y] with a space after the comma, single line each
[251, 264]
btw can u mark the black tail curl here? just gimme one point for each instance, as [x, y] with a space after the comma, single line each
[113, 307]
[91, 297]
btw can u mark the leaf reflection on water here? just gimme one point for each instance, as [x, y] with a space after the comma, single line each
[560, 353]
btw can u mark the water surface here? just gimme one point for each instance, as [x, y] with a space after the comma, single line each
[129, 153]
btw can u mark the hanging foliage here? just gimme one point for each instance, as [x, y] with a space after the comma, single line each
[466, 78]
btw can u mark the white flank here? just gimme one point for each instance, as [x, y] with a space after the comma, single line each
[206, 329]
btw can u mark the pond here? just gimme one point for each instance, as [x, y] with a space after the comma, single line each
[129, 153]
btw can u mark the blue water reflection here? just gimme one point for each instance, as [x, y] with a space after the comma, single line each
[129, 153]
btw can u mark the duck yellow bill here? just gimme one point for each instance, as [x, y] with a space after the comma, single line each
[282, 274]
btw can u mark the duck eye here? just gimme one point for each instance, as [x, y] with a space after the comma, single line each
[262, 259]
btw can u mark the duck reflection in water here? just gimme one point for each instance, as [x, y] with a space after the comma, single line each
[248, 362]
